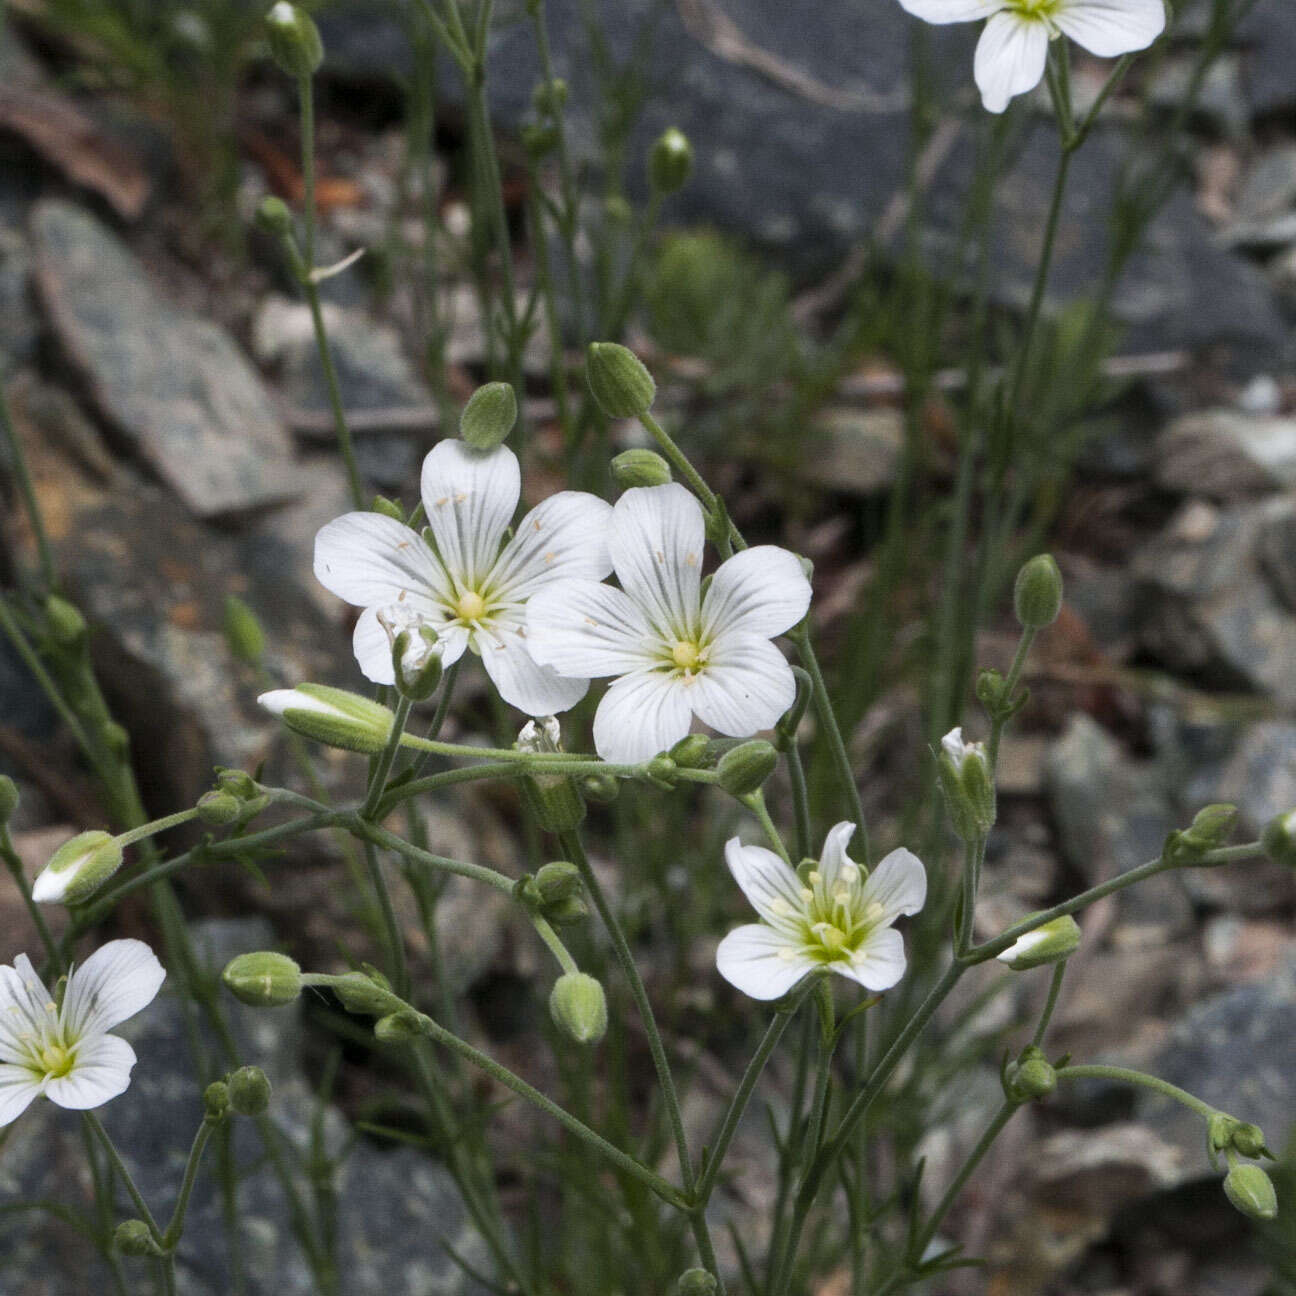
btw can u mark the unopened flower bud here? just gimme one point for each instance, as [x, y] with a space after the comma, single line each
[332, 716]
[559, 880]
[489, 416]
[1037, 595]
[78, 868]
[618, 381]
[66, 624]
[579, 1007]
[8, 798]
[400, 1027]
[416, 663]
[990, 689]
[274, 217]
[1249, 1140]
[1251, 1191]
[366, 992]
[640, 467]
[671, 162]
[539, 139]
[132, 1238]
[690, 752]
[1051, 943]
[238, 783]
[553, 798]
[387, 507]
[968, 785]
[294, 39]
[1211, 828]
[1279, 839]
[1030, 1077]
[217, 808]
[216, 1100]
[743, 769]
[550, 97]
[661, 770]
[263, 979]
[603, 788]
[696, 1282]
[249, 1091]
[243, 631]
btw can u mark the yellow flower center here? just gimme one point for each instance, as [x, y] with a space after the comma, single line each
[687, 655]
[56, 1060]
[471, 605]
[1041, 9]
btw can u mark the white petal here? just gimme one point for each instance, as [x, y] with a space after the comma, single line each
[762, 591]
[745, 687]
[952, 11]
[371, 560]
[770, 885]
[470, 497]
[24, 1006]
[113, 984]
[1022, 945]
[537, 690]
[879, 962]
[102, 1071]
[752, 959]
[585, 628]
[565, 536]
[898, 884]
[17, 1089]
[372, 647]
[656, 544]
[1112, 27]
[833, 855]
[640, 715]
[1010, 58]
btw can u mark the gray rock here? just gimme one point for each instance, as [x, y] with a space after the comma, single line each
[173, 385]
[1276, 550]
[857, 451]
[1227, 455]
[1112, 814]
[397, 1209]
[1236, 1051]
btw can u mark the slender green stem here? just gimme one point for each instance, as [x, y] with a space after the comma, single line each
[383, 766]
[306, 98]
[379, 836]
[96, 1126]
[1123, 1075]
[18, 466]
[680, 462]
[555, 944]
[755, 802]
[155, 826]
[800, 800]
[1011, 681]
[174, 1229]
[974, 856]
[823, 1074]
[392, 936]
[340, 424]
[12, 862]
[1050, 1003]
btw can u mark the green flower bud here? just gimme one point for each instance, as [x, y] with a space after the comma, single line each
[661, 770]
[216, 1100]
[78, 869]
[990, 686]
[1251, 1191]
[218, 808]
[553, 798]
[671, 162]
[416, 662]
[1051, 943]
[274, 217]
[237, 783]
[1249, 1140]
[132, 1238]
[579, 1007]
[1279, 839]
[1037, 595]
[696, 1282]
[243, 631]
[603, 788]
[489, 416]
[263, 979]
[550, 97]
[388, 508]
[8, 798]
[966, 780]
[368, 993]
[66, 624]
[400, 1027]
[294, 39]
[558, 881]
[743, 769]
[690, 752]
[332, 716]
[640, 467]
[1211, 828]
[249, 1091]
[539, 139]
[618, 381]
[1030, 1078]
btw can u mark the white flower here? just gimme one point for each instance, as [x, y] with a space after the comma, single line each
[956, 749]
[1013, 48]
[66, 1052]
[463, 586]
[677, 654]
[838, 918]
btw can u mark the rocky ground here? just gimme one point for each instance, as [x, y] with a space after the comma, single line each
[168, 396]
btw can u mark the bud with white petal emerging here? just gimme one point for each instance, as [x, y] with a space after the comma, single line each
[489, 416]
[1037, 594]
[968, 785]
[618, 381]
[332, 716]
[78, 868]
[263, 979]
[1279, 839]
[1251, 1191]
[553, 798]
[579, 1007]
[671, 162]
[640, 467]
[294, 40]
[1050, 943]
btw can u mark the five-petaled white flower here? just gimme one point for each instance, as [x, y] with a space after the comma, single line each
[65, 1052]
[463, 585]
[838, 917]
[677, 653]
[1013, 48]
